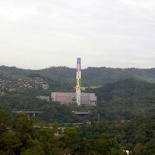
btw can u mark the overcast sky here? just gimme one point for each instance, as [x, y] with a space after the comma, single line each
[37, 34]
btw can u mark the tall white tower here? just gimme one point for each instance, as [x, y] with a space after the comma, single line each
[78, 82]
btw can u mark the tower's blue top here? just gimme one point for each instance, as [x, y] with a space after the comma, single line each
[79, 61]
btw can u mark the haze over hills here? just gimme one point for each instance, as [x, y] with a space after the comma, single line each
[91, 76]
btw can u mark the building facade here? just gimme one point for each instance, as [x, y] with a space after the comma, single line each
[70, 97]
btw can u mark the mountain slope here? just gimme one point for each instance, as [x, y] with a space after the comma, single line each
[90, 76]
[125, 98]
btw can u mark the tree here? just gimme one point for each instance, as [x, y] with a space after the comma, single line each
[106, 147]
[9, 143]
[33, 147]
[5, 122]
[86, 146]
[70, 141]
[23, 127]
[49, 141]
[138, 149]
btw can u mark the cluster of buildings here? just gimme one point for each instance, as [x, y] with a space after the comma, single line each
[23, 84]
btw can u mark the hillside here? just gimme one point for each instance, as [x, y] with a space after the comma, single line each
[122, 94]
[91, 76]
[124, 113]
[125, 98]
[123, 119]
[118, 100]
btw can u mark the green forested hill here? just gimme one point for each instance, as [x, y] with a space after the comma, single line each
[127, 88]
[91, 76]
[116, 101]
[125, 98]
[122, 92]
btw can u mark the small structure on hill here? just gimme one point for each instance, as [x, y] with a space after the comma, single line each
[46, 98]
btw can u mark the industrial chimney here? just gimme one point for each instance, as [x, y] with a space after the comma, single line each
[78, 82]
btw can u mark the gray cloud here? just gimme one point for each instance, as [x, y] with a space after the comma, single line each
[113, 33]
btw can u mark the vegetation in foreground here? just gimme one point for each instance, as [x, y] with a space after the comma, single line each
[18, 136]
